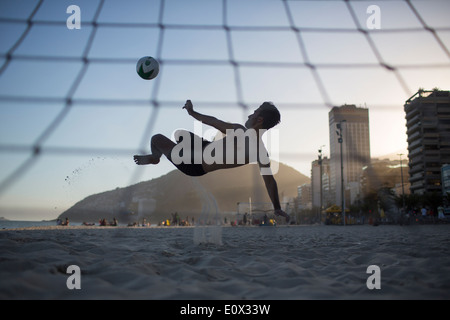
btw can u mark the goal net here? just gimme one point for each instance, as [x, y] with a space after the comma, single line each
[70, 94]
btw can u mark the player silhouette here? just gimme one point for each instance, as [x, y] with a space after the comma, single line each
[195, 156]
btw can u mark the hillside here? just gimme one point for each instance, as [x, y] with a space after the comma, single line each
[175, 192]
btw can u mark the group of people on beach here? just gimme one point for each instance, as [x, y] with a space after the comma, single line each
[425, 215]
[60, 222]
[176, 221]
[104, 222]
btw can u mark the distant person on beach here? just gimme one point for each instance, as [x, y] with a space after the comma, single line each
[441, 215]
[195, 156]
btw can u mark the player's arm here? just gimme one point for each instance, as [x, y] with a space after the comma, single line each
[266, 173]
[220, 125]
[272, 190]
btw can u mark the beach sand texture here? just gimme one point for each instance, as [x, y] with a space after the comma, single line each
[295, 262]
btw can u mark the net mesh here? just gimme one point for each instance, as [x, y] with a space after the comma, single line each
[64, 92]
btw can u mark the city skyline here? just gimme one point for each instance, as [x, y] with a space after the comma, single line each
[69, 127]
[428, 119]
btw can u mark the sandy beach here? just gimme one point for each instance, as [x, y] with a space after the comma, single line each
[295, 262]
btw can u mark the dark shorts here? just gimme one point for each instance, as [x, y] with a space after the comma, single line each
[192, 169]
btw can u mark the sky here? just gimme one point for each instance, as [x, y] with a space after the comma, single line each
[89, 122]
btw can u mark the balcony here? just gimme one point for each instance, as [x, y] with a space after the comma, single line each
[430, 135]
[414, 152]
[416, 169]
[411, 112]
[412, 120]
[429, 117]
[414, 144]
[416, 177]
[414, 136]
[414, 129]
[433, 162]
[433, 179]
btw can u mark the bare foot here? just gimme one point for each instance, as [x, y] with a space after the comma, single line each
[146, 159]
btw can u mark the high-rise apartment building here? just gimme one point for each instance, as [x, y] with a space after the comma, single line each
[304, 195]
[428, 130]
[320, 182]
[354, 127]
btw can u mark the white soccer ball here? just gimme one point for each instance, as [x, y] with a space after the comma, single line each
[147, 68]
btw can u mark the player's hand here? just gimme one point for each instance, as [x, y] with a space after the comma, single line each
[188, 106]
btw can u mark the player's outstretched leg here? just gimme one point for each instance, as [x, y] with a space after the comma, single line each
[159, 145]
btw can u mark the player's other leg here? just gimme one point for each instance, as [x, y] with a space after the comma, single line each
[159, 145]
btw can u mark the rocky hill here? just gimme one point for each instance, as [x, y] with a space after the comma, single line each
[175, 192]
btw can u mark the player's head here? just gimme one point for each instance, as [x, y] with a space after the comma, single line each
[265, 117]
